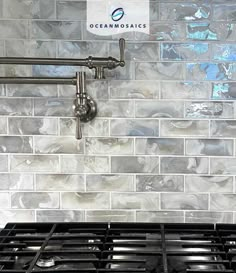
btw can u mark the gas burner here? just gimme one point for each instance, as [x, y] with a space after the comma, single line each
[117, 247]
[46, 262]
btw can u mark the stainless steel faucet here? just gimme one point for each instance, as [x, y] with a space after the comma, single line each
[85, 108]
[99, 64]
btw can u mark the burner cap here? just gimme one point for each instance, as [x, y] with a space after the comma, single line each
[45, 262]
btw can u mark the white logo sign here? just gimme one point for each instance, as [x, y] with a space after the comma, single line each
[109, 17]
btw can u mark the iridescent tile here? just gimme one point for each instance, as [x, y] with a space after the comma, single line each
[35, 200]
[209, 147]
[96, 127]
[163, 32]
[172, 128]
[160, 183]
[139, 201]
[80, 49]
[85, 200]
[2, 86]
[31, 90]
[160, 216]
[113, 146]
[17, 9]
[84, 164]
[109, 182]
[159, 146]
[134, 164]
[54, 71]
[53, 107]
[4, 200]
[16, 182]
[125, 73]
[184, 201]
[30, 48]
[223, 202]
[16, 107]
[14, 29]
[138, 51]
[184, 165]
[134, 127]
[159, 71]
[224, 12]
[44, 9]
[71, 10]
[185, 90]
[27, 9]
[211, 71]
[223, 165]
[32, 126]
[16, 216]
[115, 108]
[211, 31]
[59, 216]
[209, 109]
[59, 182]
[96, 89]
[3, 125]
[224, 91]
[201, 31]
[133, 89]
[16, 144]
[158, 109]
[223, 128]
[34, 163]
[110, 216]
[184, 11]
[58, 145]
[208, 217]
[11, 70]
[177, 51]
[208, 183]
[64, 30]
[224, 52]
[154, 11]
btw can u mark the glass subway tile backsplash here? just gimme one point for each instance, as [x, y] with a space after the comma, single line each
[162, 147]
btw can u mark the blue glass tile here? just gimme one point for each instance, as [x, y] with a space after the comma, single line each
[199, 48]
[212, 71]
[177, 51]
[219, 91]
[225, 52]
[200, 31]
[224, 91]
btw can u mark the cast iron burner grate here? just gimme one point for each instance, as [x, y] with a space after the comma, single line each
[117, 247]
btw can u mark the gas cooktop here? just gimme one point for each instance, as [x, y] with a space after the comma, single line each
[117, 247]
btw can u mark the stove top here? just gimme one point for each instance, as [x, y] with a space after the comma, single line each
[117, 247]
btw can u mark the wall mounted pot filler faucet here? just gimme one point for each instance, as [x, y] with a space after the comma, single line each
[85, 108]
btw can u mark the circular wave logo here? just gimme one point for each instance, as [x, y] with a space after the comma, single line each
[117, 14]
